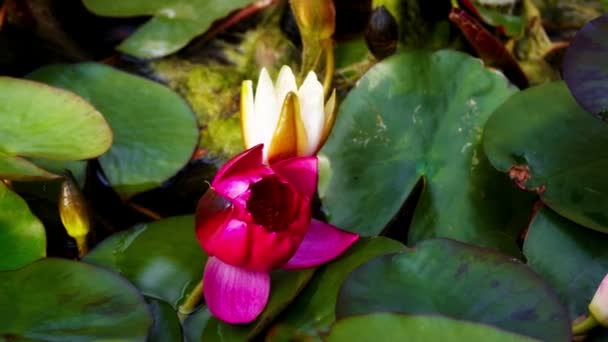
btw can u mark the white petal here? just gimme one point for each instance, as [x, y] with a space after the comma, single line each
[311, 107]
[286, 82]
[250, 132]
[266, 110]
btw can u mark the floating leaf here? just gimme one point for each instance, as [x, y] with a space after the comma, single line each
[406, 120]
[62, 300]
[175, 22]
[155, 132]
[22, 235]
[381, 327]
[166, 325]
[460, 281]
[586, 67]
[314, 308]
[46, 122]
[202, 326]
[577, 274]
[163, 258]
[548, 144]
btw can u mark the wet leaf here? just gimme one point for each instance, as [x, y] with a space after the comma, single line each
[406, 120]
[460, 281]
[381, 327]
[163, 258]
[155, 132]
[62, 300]
[548, 144]
[314, 308]
[577, 274]
[22, 235]
[46, 122]
[586, 67]
[174, 24]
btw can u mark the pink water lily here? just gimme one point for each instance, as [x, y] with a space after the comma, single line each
[256, 218]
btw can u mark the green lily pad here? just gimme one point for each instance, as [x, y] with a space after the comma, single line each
[460, 281]
[202, 326]
[46, 122]
[62, 300]
[577, 274]
[175, 22]
[550, 145]
[166, 325]
[414, 115]
[155, 132]
[22, 235]
[388, 327]
[163, 258]
[314, 308]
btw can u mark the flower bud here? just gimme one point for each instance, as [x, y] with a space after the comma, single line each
[73, 212]
[382, 33]
[315, 18]
[599, 304]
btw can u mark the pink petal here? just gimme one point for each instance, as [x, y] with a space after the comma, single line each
[322, 243]
[301, 172]
[243, 162]
[233, 294]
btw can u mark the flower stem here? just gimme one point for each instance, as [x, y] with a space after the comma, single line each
[192, 301]
[584, 325]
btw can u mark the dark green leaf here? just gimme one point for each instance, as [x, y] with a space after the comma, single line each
[381, 327]
[550, 145]
[460, 281]
[166, 327]
[62, 300]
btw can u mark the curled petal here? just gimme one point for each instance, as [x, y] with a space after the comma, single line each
[322, 243]
[301, 173]
[233, 294]
[312, 111]
[243, 163]
[249, 129]
[330, 119]
[284, 143]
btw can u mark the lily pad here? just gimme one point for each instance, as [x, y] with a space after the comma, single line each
[166, 325]
[586, 67]
[155, 132]
[460, 281]
[314, 309]
[175, 22]
[46, 122]
[22, 235]
[62, 300]
[163, 258]
[389, 327]
[202, 326]
[576, 276]
[549, 144]
[406, 120]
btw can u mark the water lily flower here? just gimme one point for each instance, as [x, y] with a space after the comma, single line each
[289, 121]
[599, 304]
[256, 218]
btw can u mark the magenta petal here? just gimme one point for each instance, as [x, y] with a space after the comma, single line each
[301, 172]
[247, 160]
[322, 243]
[233, 294]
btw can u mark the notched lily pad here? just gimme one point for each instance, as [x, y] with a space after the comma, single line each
[62, 300]
[548, 144]
[460, 281]
[46, 122]
[22, 235]
[174, 22]
[155, 132]
[406, 120]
